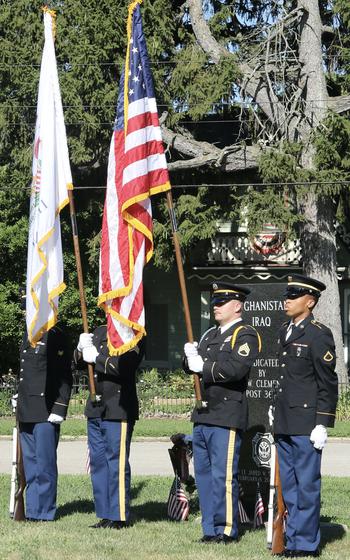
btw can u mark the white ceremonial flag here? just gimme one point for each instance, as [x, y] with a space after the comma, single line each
[49, 194]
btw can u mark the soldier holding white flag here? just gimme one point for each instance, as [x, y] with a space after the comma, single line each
[45, 373]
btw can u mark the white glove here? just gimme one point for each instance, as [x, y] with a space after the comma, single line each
[191, 349]
[271, 415]
[195, 363]
[318, 436]
[55, 418]
[85, 340]
[90, 354]
[14, 399]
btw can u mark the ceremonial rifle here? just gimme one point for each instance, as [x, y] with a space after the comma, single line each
[20, 480]
[278, 522]
[13, 472]
[271, 496]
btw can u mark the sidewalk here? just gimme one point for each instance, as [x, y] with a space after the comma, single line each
[150, 457]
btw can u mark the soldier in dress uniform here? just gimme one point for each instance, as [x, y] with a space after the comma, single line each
[44, 390]
[110, 425]
[305, 406]
[223, 360]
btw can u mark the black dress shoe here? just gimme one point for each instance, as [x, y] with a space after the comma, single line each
[224, 539]
[206, 539]
[102, 524]
[301, 553]
[116, 525]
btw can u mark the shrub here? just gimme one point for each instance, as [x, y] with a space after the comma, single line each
[343, 408]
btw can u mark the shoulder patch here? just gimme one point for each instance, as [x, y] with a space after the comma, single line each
[317, 324]
[328, 357]
[244, 350]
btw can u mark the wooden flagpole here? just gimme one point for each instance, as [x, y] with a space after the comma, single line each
[197, 386]
[73, 217]
[76, 246]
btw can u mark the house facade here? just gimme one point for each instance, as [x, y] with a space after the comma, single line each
[264, 260]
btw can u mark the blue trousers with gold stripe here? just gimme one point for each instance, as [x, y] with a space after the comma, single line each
[300, 472]
[39, 444]
[216, 455]
[109, 448]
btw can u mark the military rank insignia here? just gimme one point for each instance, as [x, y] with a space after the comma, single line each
[60, 352]
[244, 350]
[328, 357]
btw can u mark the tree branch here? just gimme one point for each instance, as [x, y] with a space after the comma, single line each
[203, 154]
[251, 83]
[339, 104]
[203, 34]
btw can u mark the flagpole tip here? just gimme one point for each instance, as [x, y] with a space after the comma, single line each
[47, 10]
[52, 13]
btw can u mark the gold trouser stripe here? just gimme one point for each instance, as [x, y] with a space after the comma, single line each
[229, 469]
[122, 456]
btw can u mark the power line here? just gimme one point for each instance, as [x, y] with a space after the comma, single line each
[111, 123]
[68, 65]
[222, 185]
[168, 105]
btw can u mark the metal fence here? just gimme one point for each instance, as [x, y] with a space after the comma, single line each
[157, 399]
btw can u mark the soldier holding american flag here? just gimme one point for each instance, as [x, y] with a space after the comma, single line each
[137, 169]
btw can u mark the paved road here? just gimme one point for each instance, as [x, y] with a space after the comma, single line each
[151, 457]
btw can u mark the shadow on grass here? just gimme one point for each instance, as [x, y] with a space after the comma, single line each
[77, 506]
[149, 511]
[146, 511]
[136, 489]
[154, 510]
[330, 531]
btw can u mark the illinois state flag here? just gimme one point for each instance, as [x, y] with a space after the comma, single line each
[137, 169]
[51, 179]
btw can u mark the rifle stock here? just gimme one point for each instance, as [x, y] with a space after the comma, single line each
[19, 510]
[278, 522]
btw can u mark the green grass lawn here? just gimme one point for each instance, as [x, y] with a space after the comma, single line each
[150, 536]
[153, 427]
[145, 427]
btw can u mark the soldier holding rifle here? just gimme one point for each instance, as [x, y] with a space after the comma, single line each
[223, 360]
[305, 406]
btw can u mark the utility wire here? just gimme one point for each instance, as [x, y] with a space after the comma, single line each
[222, 185]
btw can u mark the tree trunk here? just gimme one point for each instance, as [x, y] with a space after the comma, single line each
[320, 261]
[318, 231]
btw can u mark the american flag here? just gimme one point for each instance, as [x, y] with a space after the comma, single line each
[137, 169]
[243, 516]
[259, 509]
[178, 504]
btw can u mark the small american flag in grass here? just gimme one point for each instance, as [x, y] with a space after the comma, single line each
[178, 504]
[259, 509]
